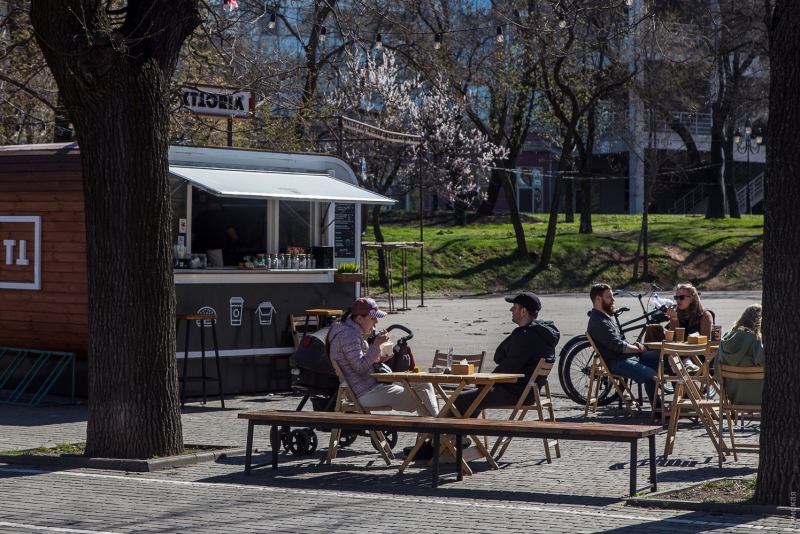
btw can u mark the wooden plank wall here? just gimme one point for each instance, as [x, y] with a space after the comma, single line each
[49, 184]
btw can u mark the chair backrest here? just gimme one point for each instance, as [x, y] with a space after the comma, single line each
[347, 393]
[600, 359]
[688, 381]
[297, 326]
[736, 373]
[440, 358]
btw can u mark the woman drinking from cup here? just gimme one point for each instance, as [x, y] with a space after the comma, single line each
[689, 315]
[347, 345]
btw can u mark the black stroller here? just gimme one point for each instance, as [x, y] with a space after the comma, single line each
[314, 379]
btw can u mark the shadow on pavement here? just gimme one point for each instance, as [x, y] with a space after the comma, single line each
[689, 522]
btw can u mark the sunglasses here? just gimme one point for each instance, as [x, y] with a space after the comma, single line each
[681, 297]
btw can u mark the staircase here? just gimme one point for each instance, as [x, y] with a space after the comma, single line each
[756, 193]
[687, 202]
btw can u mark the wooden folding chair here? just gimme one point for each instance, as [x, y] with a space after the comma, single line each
[681, 350]
[726, 407]
[346, 401]
[688, 399]
[519, 410]
[302, 324]
[599, 371]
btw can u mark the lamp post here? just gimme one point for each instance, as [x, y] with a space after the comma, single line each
[745, 145]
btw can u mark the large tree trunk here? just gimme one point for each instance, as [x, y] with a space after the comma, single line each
[730, 187]
[569, 200]
[716, 195]
[492, 193]
[586, 207]
[779, 470]
[116, 87]
[552, 223]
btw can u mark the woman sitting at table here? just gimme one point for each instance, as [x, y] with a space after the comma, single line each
[690, 315]
[346, 343]
[743, 347]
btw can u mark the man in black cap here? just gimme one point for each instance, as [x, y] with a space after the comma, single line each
[519, 353]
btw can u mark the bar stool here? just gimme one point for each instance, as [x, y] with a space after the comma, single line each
[203, 378]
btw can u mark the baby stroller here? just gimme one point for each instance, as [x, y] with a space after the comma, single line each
[314, 379]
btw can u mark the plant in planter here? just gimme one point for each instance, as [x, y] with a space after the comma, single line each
[347, 272]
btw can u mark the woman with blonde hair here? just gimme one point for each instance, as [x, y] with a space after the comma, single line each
[742, 346]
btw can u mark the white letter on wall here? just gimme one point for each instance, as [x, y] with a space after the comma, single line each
[9, 243]
[22, 260]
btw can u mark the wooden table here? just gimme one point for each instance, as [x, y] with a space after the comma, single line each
[319, 313]
[484, 380]
[656, 345]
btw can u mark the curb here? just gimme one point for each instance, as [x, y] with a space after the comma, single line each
[712, 507]
[114, 464]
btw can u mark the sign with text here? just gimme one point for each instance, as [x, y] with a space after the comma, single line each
[344, 234]
[20, 262]
[217, 101]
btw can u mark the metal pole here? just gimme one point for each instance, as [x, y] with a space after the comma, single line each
[749, 203]
[421, 237]
[341, 138]
[230, 131]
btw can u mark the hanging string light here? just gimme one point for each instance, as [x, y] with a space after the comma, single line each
[437, 41]
[322, 33]
[43, 130]
[272, 19]
[500, 37]
[629, 2]
[562, 21]
[378, 42]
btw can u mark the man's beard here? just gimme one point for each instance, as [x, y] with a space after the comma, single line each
[609, 308]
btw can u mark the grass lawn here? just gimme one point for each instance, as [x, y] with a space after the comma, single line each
[480, 257]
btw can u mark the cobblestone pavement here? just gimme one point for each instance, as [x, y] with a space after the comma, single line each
[580, 492]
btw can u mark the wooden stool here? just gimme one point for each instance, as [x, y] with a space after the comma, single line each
[203, 378]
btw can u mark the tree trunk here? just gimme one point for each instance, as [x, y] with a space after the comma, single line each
[730, 187]
[383, 276]
[519, 232]
[716, 193]
[569, 200]
[552, 223]
[586, 207]
[778, 479]
[492, 193]
[116, 87]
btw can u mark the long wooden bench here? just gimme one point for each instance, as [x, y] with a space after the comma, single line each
[458, 427]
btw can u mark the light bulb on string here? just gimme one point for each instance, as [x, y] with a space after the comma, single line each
[43, 130]
[322, 33]
[437, 41]
[628, 2]
[272, 19]
[378, 41]
[562, 22]
[500, 37]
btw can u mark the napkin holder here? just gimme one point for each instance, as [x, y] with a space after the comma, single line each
[697, 340]
[462, 369]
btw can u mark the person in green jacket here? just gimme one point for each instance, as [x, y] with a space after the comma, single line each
[742, 346]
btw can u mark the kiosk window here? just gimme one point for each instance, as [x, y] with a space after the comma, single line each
[294, 224]
[177, 188]
[237, 226]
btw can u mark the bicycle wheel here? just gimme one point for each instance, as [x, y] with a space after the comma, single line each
[574, 367]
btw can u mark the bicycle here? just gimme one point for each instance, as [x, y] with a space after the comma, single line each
[575, 358]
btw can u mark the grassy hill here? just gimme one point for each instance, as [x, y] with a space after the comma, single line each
[479, 257]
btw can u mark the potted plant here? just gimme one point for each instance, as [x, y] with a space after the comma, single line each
[347, 272]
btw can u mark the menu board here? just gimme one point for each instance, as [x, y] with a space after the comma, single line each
[345, 231]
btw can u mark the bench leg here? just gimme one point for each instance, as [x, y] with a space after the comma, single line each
[435, 481]
[275, 439]
[459, 457]
[653, 476]
[634, 461]
[248, 458]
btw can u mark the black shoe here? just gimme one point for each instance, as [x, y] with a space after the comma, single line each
[424, 453]
[466, 443]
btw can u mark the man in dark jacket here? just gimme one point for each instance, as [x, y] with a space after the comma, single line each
[631, 360]
[519, 353]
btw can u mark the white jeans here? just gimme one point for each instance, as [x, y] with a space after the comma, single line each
[396, 396]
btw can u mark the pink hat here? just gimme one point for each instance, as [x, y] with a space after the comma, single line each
[367, 306]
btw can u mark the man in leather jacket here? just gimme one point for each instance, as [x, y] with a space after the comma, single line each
[519, 353]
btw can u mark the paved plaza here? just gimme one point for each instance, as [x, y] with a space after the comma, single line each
[580, 492]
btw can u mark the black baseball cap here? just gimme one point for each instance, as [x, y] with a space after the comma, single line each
[527, 300]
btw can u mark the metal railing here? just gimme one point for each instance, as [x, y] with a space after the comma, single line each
[756, 193]
[688, 201]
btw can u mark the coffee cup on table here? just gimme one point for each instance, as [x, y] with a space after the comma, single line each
[679, 333]
[669, 335]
